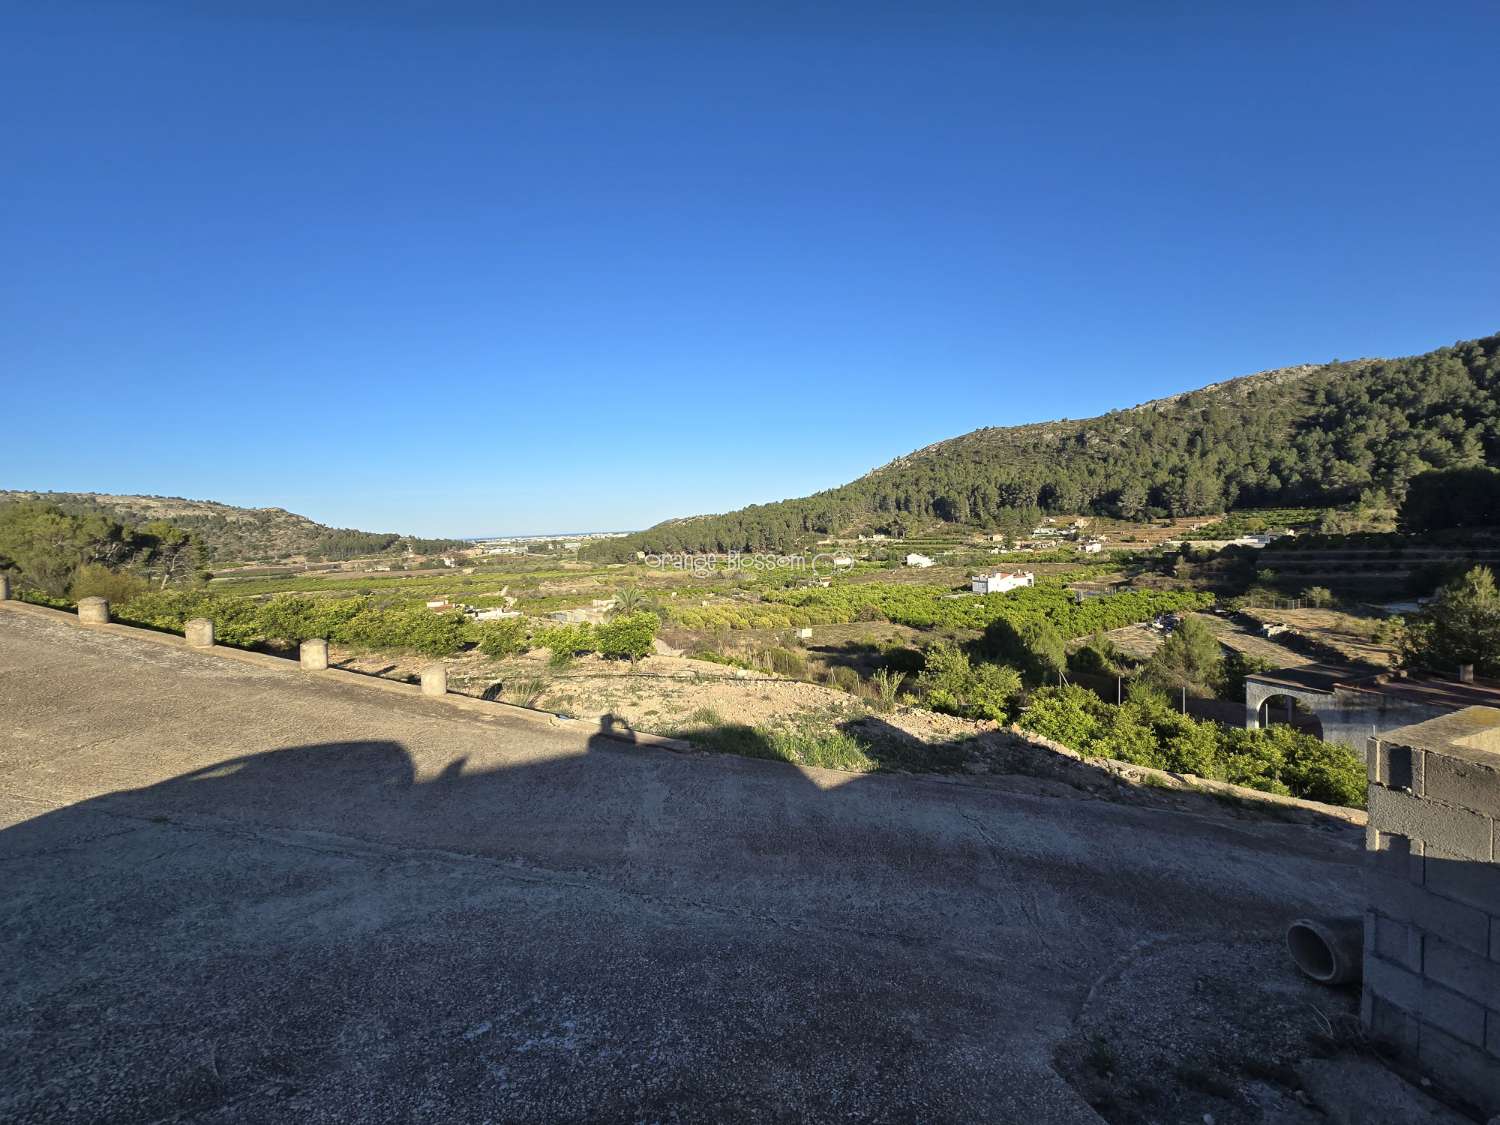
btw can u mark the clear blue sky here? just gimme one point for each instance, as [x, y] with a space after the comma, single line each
[463, 266]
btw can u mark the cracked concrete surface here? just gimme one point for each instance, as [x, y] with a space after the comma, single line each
[233, 892]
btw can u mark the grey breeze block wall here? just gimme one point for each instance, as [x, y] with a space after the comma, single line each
[1432, 923]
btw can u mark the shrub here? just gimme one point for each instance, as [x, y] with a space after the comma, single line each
[1148, 732]
[786, 662]
[845, 679]
[291, 617]
[413, 628]
[95, 581]
[527, 691]
[885, 685]
[506, 637]
[628, 637]
[567, 641]
[950, 682]
[1314, 769]
[1190, 659]
[1097, 656]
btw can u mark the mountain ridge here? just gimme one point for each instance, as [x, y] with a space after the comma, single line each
[231, 532]
[1304, 433]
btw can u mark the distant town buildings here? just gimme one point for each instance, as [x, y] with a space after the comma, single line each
[999, 581]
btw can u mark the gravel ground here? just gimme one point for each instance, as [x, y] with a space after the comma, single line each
[238, 892]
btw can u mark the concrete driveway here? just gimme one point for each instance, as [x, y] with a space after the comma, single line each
[235, 892]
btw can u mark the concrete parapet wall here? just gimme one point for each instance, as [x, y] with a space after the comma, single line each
[1432, 927]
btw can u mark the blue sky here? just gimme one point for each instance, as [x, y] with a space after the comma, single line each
[461, 267]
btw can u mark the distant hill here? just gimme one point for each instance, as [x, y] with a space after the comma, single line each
[238, 534]
[1314, 434]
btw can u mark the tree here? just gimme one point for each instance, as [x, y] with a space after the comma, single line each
[171, 554]
[1461, 626]
[1187, 661]
[631, 600]
[1133, 500]
[1445, 498]
[45, 546]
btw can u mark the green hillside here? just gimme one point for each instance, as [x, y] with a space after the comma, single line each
[232, 534]
[1297, 436]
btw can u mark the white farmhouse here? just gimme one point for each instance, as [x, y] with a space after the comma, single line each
[918, 560]
[999, 581]
[842, 561]
[1092, 547]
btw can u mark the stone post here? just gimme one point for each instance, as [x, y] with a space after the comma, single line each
[4, 588]
[93, 611]
[314, 655]
[199, 632]
[435, 680]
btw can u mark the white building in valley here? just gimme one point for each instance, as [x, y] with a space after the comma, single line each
[918, 560]
[999, 581]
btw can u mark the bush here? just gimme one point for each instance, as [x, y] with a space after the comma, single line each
[1148, 732]
[1097, 657]
[845, 679]
[885, 686]
[95, 581]
[1230, 681]
[506, 637]
[291, 617]
[950, 682]
[786, 662]
[628, 637]
[413, 628]
[567, 641]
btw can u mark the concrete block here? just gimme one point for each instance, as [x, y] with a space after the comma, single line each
[4, 588]
[1396, 767]
[1383, 1020]
[1394, 984]
[1464, 926]
[1468, 785]
[1472, 975]
[314, 654]
[435, 680]
[1459, 1016]
[1462, 880]
[93, 611]
[1398, 942]
[1396, 856]
[1469, 1071]
[199, 632]
[1458, 832]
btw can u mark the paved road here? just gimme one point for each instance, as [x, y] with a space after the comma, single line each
[240, 893]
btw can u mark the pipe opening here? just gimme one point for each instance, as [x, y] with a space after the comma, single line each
[1311, 952]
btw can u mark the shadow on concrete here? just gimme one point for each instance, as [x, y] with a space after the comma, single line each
[329, 925]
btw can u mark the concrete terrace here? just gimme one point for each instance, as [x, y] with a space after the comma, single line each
[234, 891]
